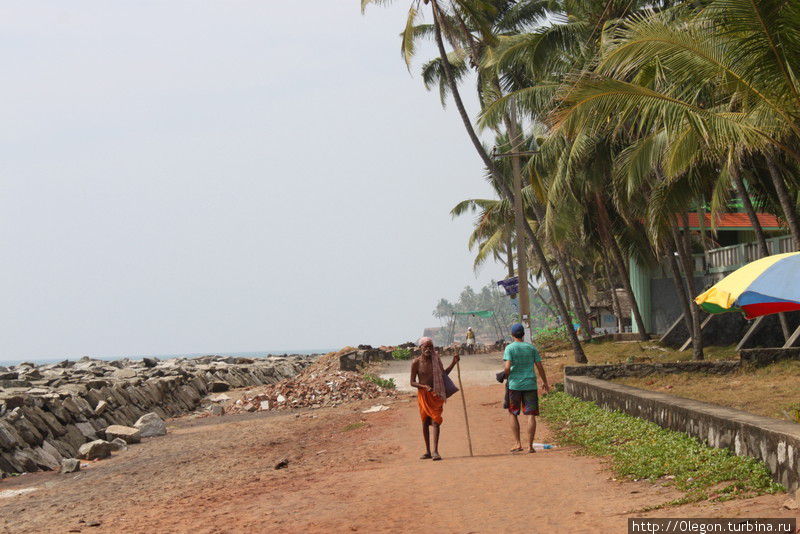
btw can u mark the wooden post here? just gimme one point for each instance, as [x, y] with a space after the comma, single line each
[793, 339]
[689, 341]
[464, 404]
[750, 333]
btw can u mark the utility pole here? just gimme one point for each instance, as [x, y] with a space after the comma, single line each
[522, 252]
[519, 222]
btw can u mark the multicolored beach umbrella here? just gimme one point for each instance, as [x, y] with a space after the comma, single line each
[765, 286]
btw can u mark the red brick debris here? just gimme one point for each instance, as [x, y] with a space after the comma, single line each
[321, 384]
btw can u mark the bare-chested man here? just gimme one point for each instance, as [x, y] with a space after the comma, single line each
[427, 375]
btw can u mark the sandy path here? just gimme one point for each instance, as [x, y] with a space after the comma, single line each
[348, 472]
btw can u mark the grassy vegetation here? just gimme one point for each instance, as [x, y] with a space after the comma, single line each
[639, 449]
[604, 352]
[401, 354]
[382, 382]
[354, 426]
[648, 351]
[770, 391]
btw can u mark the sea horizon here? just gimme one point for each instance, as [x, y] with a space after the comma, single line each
[250, 354]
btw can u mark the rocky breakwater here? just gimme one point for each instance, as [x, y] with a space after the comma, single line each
[49, 413]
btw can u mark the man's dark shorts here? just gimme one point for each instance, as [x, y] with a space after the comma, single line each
[527, 400]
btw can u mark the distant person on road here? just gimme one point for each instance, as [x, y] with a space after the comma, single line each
[470, 339]
[428, 375]
[522, 360]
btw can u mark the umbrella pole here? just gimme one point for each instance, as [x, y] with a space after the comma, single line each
[464, 405]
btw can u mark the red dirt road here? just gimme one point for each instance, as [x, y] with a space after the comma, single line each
[347, 472]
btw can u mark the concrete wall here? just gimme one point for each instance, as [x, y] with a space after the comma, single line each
[775, 442]
[665, 306]
[657, 297]
[620, 370]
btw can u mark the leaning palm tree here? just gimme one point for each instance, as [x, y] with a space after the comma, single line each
[440, 24]
[579, 173]
[531, 67]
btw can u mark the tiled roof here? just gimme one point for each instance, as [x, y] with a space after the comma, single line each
[603, 300]
[734, 220]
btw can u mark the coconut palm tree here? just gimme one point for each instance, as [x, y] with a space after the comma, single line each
[533, 67]
[644, 110]
[716, 77]
[442, 21]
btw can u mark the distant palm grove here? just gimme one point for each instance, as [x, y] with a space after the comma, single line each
[620, 119]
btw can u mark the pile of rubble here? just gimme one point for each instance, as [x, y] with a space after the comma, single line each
[321, 384]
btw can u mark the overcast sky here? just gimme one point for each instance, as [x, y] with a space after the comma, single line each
[185, 176]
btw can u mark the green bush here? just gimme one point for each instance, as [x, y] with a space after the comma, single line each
[641, 449]
[401, 354]
[382, 382]
[793, 411]
[550, 338]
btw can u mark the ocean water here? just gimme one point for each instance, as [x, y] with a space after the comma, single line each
[258, 354]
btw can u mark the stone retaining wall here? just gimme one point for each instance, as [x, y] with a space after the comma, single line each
[775, 442]
[40, 426]
[621, 370]
[766, 356]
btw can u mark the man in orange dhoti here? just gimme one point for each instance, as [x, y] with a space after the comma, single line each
[427, 375]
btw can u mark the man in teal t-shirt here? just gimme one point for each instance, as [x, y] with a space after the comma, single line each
[522, 360]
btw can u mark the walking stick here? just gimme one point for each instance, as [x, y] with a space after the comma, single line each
[464, 404]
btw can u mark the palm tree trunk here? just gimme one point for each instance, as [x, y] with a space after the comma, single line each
[683, 296]
[572, 296]
[583, 291]
[738, 184]
[605, 231]
[688, 275]
[701, 218]
[522, 248]
[577, 302]
[789, 211]
[573, 280]
[615, 305]
[584, 301]
[687, 254]
[583, 294]
[537, 292]
[577, 349]
[570, 286]
[760, 237]
[566, 289]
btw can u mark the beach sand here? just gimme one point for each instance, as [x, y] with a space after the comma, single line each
[347, 472]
